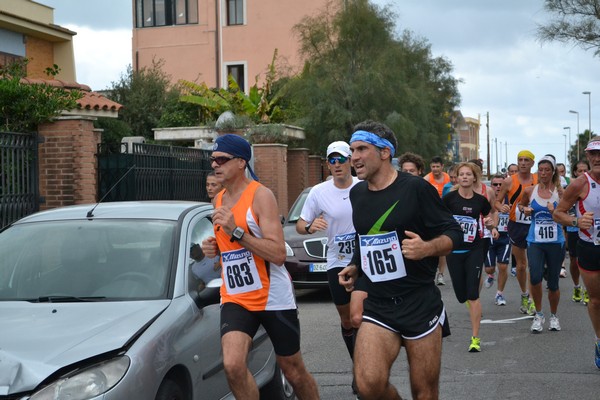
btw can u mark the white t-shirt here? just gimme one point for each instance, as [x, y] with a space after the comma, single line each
[334, 204]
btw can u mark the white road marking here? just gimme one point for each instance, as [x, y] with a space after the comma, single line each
[505, 321]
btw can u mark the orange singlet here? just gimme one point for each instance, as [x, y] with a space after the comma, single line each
[249, 280]
[439, 186]
[515, 193]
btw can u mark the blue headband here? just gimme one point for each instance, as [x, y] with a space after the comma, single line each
[373, 139]
[237, 146]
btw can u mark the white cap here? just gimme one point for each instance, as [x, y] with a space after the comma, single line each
[340, 147]
[593, 145]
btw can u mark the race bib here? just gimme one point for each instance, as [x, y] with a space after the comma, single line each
[596, 232]
[502, 223]
[345, 245]
[468, 226]
[381, 257]
[521, 218]
[545, 231]
[239, 272]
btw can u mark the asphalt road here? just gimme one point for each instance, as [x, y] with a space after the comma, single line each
[513, 363]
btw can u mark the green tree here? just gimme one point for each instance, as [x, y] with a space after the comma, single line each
[357, 68]
[24, 106]
[574, 21]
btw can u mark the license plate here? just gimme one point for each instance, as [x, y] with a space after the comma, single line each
[320, 267]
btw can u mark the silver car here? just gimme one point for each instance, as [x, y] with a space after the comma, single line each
[114, 301]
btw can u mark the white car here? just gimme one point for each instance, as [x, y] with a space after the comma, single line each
[106, 302]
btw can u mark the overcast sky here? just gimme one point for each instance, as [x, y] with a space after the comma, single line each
[527, 88]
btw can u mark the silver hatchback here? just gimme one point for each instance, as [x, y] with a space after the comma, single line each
[116, 302]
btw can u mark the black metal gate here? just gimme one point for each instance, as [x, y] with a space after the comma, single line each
[139, 171]
[19, 189]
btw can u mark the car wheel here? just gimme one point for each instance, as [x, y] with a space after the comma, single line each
[169, 390]
[278, 387]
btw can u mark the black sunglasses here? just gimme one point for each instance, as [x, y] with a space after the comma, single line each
[221, 160]
[496, 184]
[339, 159]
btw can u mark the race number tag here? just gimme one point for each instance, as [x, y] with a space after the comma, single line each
[381, 257]
[545, 231]
[344, 245]
[596, 232]
[468, 226]
[521, 218]
[502, 222]
[240, 272]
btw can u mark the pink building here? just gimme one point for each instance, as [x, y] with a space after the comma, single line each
[206, 40]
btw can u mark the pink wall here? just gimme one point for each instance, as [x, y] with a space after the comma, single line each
[189, 50]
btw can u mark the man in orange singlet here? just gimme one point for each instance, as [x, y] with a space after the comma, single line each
[437, 177]
[257, 289]
[518, 222]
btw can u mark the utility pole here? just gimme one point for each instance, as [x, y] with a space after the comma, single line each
[487, 125]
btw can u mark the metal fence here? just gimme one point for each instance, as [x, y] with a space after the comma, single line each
[138, 171]
[19, 189]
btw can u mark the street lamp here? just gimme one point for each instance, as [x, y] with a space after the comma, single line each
[576, 112]
[589, 94]
[568, 160]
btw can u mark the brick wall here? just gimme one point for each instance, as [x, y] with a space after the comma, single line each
[68, 167]
[41, 56]
[271, 165]
[297, 173]
[317, 170]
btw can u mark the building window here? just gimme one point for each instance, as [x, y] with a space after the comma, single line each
[235, 12]
[237, 73]
[150, 13]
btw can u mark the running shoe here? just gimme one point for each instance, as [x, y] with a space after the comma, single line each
[475, 345]
[554, 324]
[500, 300]
[489, 281]
[440, 279]
[597, 359]
[513, 271]
[538, 323]
[563, 273]
[531, 309]
[586, 297]
[576, 294]
[524, 304]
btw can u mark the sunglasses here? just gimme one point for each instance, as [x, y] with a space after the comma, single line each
[339, 159]
[221, 160]
[496, 184]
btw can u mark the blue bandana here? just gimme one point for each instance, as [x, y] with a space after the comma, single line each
[373, 139]
[237, 146]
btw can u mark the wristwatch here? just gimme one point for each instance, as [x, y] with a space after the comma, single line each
[307, 227]
[237, 234]
[575, 222]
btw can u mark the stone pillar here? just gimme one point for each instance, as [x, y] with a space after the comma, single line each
[271, 166]
[297, 173]
[67, 162]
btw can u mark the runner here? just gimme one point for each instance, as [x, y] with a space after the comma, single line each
[579, 293]
[402, 227]
[437, 177]
[499, 250]
[212, 185]
[585, 193]
[411, 163]
[257, 289]
[327, 208]
[465, 261]
[545, 240]
[518, 224]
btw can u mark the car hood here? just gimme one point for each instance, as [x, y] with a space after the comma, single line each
[38, 339]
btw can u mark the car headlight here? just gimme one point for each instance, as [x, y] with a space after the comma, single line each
[87, 383]
[288, 250]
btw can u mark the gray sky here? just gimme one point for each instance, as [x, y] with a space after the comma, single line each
[527, 88]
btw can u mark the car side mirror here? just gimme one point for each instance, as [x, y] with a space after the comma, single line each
[282, 219]
[210, 294]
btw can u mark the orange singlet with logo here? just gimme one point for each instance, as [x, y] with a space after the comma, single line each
[439, 186]
[515, 193]
[249, 280]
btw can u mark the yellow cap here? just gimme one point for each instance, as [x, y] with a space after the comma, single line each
[526, 153]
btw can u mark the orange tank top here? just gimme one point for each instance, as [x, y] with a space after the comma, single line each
[249, 280]
[439, 186]
[516, 192]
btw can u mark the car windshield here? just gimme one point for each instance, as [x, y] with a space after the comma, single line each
[91, 260]
[296, 209]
